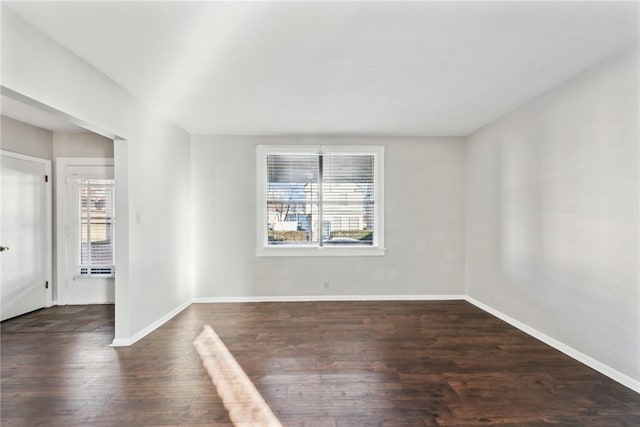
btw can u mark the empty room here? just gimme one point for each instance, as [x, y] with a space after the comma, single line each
[291, 213]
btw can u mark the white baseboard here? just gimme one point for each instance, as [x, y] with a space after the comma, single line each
[123, 342]
[623, 379]
[311, 298]
[615, 375]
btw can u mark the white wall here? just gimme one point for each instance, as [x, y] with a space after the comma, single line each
[424, 224]
[152, 170]
[552, 214]
[26, 139]
[81, 144]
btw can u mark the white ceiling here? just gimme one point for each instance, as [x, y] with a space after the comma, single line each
[419, 68]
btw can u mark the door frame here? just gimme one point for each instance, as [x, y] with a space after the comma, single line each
[61, 216]
[49, 220]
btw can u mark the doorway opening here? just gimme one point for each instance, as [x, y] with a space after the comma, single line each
[81, 247]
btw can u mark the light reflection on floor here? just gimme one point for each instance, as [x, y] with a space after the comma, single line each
[240, 397]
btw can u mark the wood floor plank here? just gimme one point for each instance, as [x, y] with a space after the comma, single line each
[436, 363]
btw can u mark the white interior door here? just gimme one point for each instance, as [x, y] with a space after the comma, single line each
[88, 265]
[25, 234]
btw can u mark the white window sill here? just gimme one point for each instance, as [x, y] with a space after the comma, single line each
[94, 276]
[318, 251]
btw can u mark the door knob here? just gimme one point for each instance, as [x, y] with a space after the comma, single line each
[4, 248]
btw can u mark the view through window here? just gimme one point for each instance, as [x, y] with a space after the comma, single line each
[325, 199]
[97, 223]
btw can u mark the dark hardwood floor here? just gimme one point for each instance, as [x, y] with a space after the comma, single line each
[315, 364]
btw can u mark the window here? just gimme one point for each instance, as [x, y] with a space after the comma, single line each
[96, 227]
[320, 200]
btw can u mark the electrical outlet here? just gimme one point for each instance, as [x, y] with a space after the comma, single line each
[326, 284]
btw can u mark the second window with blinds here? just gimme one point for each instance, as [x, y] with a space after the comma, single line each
[320, 200]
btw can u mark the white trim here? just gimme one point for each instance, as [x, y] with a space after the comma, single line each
[569, 351]
[49, 225]
[85, 161]
[351, 149]
[20, 156]
[378, 180]
[262, 247]
[62, 163]
[261, 195]
[618, 376]
[288, 149]
[58, 114]
[292, 250]
[124, 342]
[312, 298]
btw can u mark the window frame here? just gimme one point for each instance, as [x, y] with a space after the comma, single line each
[263, 249]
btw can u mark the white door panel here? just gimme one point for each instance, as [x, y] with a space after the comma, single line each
[25, 230]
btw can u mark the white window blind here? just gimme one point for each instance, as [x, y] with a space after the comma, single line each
[293, 198]
[96, 222]
[348, 212]
[323, 199]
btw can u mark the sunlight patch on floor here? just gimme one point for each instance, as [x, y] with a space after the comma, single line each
[240, 397]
